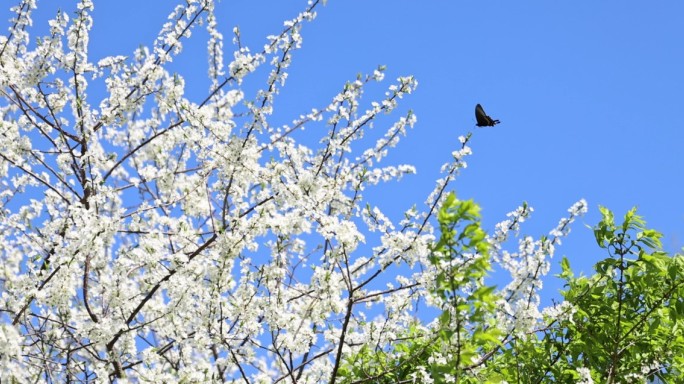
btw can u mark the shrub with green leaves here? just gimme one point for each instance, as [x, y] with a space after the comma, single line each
[623, 324]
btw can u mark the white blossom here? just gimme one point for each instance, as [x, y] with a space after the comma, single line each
[585, 376]
[151, 235]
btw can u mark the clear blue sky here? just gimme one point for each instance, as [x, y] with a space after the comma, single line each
[589, 94]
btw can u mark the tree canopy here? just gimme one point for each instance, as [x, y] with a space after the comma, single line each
[150, 236]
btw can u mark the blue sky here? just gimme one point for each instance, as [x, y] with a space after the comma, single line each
[589, 95]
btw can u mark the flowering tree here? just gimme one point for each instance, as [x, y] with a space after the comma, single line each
[149, 237]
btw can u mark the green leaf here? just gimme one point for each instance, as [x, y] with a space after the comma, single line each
[565, 268]
[607, 216]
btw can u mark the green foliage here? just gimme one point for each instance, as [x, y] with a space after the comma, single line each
[460, 262]
[461, 257]
[623, 324]
[628, 319]
[378, 366]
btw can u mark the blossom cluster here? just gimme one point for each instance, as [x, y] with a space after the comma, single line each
[148, 236]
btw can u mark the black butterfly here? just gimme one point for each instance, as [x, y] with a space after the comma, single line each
[482, 119]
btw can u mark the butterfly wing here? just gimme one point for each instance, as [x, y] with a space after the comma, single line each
[482, 119]
[481, 116]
